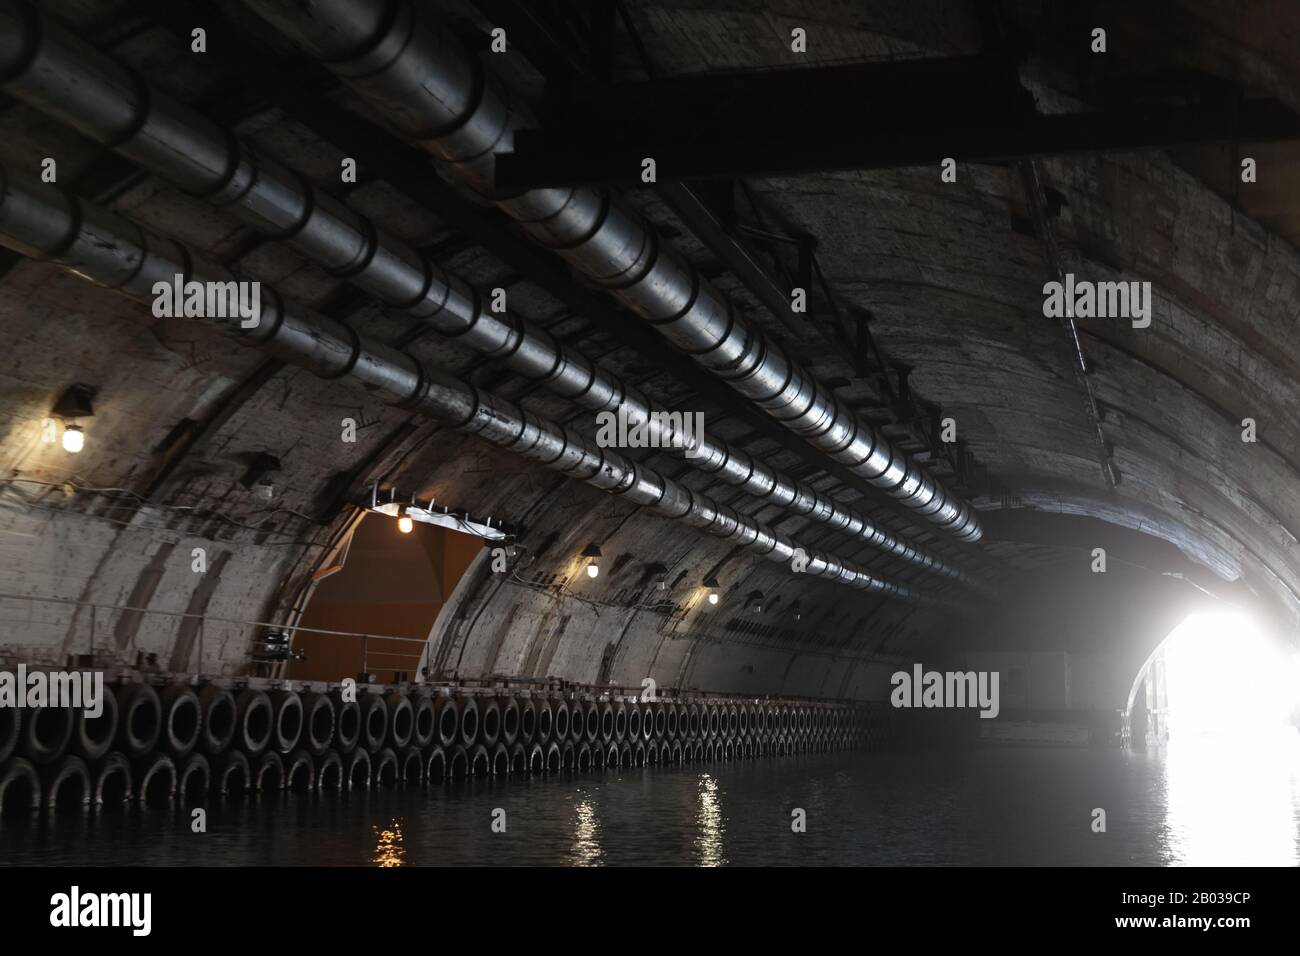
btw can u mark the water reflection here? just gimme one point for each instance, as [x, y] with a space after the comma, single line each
[389, 850]
[586, 836]
[708, 843]
[1232, 799]
[1201, 802]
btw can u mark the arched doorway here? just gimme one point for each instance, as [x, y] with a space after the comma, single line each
[388, 583]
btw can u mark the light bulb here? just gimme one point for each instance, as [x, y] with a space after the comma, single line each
[405, 524]
[74, 439]
[593, 569]
[713, 597]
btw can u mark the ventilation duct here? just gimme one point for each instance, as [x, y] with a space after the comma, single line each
[46, 67]
[47, 223]
[416, 74]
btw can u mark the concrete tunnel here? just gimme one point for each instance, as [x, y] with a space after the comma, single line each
[712, 401]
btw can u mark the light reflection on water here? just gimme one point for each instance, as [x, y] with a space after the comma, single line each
[586, 836]
[1202, 802]
[708, 843]
[1234, 800]
[389, 851]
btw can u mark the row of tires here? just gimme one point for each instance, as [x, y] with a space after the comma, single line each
[72, 783]
[150, 745]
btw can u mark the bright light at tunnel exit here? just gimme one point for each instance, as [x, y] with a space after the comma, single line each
[1223, 675]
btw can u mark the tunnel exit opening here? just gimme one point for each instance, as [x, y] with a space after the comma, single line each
[1216, 674]
[1216, 707]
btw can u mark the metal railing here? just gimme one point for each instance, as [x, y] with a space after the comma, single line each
[104, 618]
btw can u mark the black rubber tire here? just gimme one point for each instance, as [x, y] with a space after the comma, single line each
[11, 720]
[268, 772]
[182, 720]
[219, 714]
[156, 774]
[329, 772]
[423, 723]
[194, 780]
[139, 719]
[317, 723]
[16, 775]
[235, 775]
[577, 721]
[480, 761]
[509, 719]
[605, 729]
[500, 757]
[286, 723]
[592, 721]
[347, 725]
[67, 771]
[582, 761]
[446, 722]
[435, 764]
[45, 734]
[254, 725]
[114, 782]
[386, 772]
[92, 737]
[529, 711]
[518, 758]
[457, 763]
[560, 721]
[410, 767]
[489, 723]
[357, 765]
[554, 758]
[299, 771]
[401, 720]
[469, 721]
[374, 721]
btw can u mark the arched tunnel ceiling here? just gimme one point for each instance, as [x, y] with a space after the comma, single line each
[949, 271]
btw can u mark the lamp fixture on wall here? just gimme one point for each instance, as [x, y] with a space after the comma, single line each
[77, 401]
[593, 556]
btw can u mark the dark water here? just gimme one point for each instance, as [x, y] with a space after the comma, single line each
[1210, 802]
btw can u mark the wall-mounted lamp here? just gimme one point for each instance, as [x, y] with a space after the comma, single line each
[796, 609]
[657, 573]
[75, 402]
[257, 477]
[754, 601]
[592, 554]
[711, 585]
[74, 439]
[405, 523]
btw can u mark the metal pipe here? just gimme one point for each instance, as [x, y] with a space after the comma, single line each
[49, 224]
[48, 68]
[416, 74]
